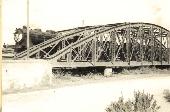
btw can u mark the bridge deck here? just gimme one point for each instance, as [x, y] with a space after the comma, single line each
[105, 64]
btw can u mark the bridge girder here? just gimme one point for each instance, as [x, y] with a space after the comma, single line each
[126, 42]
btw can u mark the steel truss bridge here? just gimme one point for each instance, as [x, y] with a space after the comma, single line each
[120, 44]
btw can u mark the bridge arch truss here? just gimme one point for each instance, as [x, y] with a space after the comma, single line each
[121, 44]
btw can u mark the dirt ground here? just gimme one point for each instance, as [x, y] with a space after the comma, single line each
[86, 93]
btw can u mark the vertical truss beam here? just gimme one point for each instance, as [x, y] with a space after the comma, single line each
[94, 51]
[128, 44]
[113, 46]
[141, 43]
[63, 46]
[161, 45]
[168, 47]
[70, 56]
[152, 45]
[79, 51]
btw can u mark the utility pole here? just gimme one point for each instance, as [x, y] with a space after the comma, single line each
[83, 23]
[28, 29]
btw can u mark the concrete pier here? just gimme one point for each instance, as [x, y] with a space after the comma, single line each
[108, 72]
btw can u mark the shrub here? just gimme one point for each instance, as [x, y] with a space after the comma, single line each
[167, 95]
[141, 103]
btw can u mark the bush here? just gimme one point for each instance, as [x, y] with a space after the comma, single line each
[142, 103]
[167, 95]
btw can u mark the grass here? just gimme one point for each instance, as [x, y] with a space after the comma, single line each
[84, 73]
[93, 72]
[145, 70]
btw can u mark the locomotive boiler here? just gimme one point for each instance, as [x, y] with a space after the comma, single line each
[36, 37]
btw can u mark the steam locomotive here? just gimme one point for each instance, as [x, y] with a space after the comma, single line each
[36, 37]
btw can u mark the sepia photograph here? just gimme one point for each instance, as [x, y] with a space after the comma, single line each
[85, 56]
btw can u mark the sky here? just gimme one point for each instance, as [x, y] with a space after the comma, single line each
[65, 14]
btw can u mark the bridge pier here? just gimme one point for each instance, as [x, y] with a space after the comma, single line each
[108, 72]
